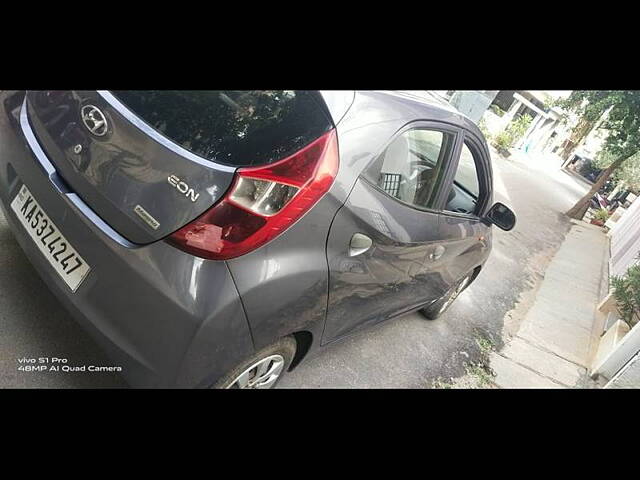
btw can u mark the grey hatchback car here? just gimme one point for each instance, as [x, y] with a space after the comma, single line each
[214, 238]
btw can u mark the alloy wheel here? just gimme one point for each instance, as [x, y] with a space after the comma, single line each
[262, 374]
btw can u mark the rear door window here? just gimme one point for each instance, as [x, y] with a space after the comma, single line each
[233, 127]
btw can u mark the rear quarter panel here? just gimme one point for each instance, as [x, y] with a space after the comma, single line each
[284, 284]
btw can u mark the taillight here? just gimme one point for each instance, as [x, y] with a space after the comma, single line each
[262, 203]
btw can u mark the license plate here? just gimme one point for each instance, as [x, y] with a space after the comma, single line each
[57, 250]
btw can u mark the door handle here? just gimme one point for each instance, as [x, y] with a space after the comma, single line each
[359, 244]
[437, 253]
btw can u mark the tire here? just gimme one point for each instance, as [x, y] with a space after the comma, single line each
[437, 308]
[268, 362]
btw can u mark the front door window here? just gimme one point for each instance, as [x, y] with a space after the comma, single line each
[465, 191]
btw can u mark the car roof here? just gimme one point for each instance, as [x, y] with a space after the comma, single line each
[421, 104]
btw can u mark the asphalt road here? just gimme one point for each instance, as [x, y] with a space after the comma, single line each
[407, 352]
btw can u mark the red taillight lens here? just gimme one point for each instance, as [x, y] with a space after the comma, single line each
[262, 203]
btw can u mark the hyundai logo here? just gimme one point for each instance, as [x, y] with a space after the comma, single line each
[94, 120]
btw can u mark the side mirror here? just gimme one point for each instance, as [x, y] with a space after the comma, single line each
[501, 216]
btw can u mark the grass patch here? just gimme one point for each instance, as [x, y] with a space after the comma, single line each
[481, 374]
[441, 384]
[485, 345]
[478, 374]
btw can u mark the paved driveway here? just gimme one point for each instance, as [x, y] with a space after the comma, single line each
[405, 352]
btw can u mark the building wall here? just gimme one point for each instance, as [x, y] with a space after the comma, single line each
[625, 240]
[473, 103]
[622, 365]
[629, 375]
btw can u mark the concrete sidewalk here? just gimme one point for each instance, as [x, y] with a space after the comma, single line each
[554, 344]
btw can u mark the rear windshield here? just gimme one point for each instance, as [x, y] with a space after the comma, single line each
[233, 127]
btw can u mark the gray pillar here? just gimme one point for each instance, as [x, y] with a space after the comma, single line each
[510, 113]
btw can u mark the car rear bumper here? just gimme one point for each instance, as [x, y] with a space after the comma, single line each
[166, 317]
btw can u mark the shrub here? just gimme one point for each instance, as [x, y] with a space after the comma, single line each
[497, 110]
[483, 128]
[601, 214]
[626, 291]
[503, 140]
[518, 127]
[514, 131]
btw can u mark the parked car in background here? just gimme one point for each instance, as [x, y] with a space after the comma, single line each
[585, 167]
[215, 238]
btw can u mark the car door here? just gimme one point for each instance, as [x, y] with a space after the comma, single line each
[464, 237]
[381, 238]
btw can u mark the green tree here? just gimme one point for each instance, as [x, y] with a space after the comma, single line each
[623, 124]
[578, 133]
[628, 173]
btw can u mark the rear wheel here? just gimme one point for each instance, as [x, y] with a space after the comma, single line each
[264, 370]
[437, 308]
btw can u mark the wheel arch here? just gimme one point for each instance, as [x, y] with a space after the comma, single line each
[476, 272]
[304, 341]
